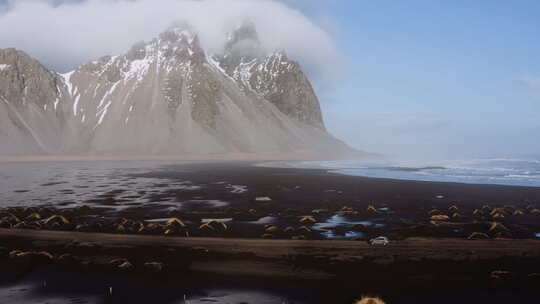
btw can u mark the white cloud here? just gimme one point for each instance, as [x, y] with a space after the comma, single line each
[65, 34]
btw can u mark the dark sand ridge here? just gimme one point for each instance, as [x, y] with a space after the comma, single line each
[301, 258]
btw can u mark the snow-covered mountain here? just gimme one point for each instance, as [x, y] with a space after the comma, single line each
[167, 96]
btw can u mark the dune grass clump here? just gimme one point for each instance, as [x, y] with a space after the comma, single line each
[434, 212]
[308, 219]
[372, 209]
[497, 227]
[370, 300]
[440, 217]
[498, 211]
[478, 236]
[518, 212]
[535, 211]
[478, 212]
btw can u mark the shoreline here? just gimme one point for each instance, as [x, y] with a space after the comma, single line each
[262, 157]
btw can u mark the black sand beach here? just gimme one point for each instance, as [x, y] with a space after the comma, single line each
[235, 221]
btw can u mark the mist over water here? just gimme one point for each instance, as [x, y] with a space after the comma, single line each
[497, 171]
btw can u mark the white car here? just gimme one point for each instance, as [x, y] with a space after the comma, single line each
[380, 240]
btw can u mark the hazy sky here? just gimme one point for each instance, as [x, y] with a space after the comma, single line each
[421, 78]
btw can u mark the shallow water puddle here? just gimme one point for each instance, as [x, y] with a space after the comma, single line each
[264, 220]
[328, 227]
[263, 199]
[221, 220]
[241, 297]
[237, 189]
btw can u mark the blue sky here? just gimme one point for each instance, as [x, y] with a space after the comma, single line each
[435, 78]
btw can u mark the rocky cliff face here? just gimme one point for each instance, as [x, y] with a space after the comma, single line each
[30, 119]
[166, 96]
[273, 77]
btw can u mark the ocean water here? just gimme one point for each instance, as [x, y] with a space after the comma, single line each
[498, 171]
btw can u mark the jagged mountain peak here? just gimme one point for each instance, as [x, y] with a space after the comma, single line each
[167, 96]
[28, 81]
[180, 31]
[244, 41]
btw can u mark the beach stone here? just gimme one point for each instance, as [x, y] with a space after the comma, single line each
[153, 266]
[308, 219]
[298, 237]
[478, 236]
[267, 236]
